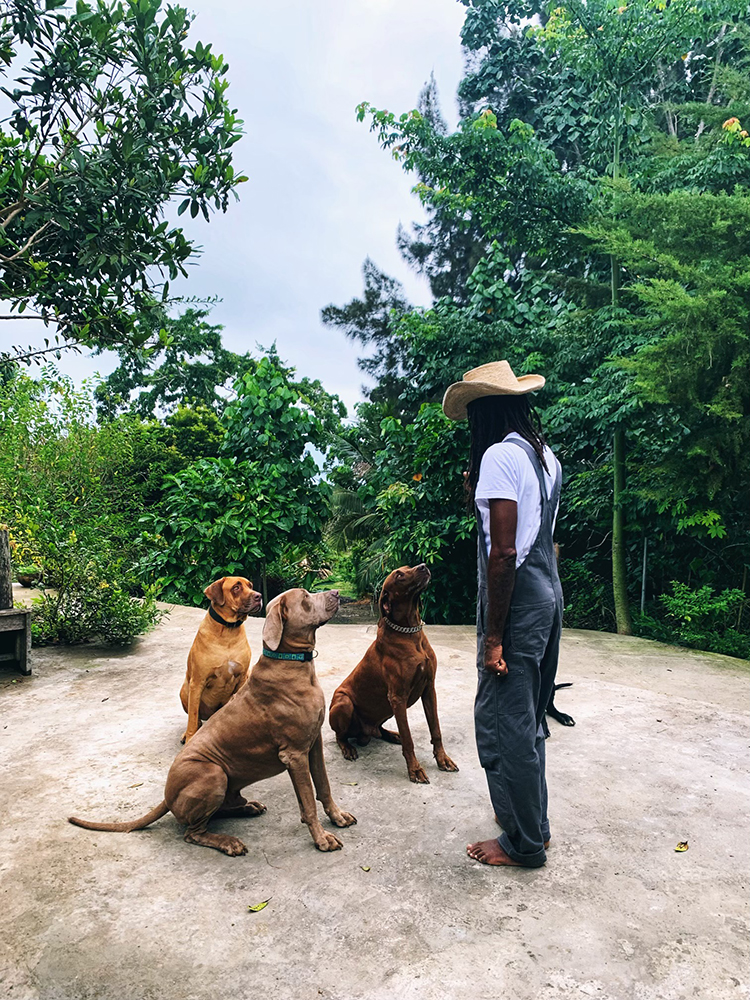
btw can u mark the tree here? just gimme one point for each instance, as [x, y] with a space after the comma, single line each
[446, 248]
[370, 321]
[191, 367]
[112, 117]
[261, 498]
[608, 107]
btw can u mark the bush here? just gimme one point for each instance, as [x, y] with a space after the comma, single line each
[587, 596]
[701, 619]
[90, 600]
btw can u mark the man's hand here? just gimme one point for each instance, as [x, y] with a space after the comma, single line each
[493, 657]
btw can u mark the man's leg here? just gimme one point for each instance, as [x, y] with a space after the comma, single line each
[541, 749]
[506, 729]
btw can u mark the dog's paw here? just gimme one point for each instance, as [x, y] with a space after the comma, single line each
[232, 846]
[349, 752]
[341, 818]
[418, 776]
[446, 764]
[329, 842]
[253, 808]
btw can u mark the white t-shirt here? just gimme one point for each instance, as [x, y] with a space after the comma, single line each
[506, 473]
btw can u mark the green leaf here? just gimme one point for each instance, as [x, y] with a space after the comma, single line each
[260, 906]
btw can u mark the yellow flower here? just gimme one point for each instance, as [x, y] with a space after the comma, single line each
[417, 477]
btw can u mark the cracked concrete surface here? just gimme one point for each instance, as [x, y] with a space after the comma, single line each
[658, 755]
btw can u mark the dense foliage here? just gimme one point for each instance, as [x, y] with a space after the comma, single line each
[600, 176]
[128, 508]
[263, 496]
[71, 493]
[589, 219]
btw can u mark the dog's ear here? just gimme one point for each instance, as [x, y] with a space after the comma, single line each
[273, 629]
[215, 592]
[385, 602]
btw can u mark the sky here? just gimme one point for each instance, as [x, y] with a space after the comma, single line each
[321, 195]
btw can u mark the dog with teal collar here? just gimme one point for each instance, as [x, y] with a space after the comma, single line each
[272, 724]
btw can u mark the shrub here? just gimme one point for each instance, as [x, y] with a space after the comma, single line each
[701, 619]
[90, 599]
[587, 596]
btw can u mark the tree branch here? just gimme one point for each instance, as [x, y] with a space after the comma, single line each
[712, 88]
[29, 242]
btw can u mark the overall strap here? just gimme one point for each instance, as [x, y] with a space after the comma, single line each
[537, 464]
[549, 504]
[482, 547]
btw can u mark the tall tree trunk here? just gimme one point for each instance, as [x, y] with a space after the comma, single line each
[619, 574]
[619, 569]
[6, 578]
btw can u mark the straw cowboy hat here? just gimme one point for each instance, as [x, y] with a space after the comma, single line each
[494, 379]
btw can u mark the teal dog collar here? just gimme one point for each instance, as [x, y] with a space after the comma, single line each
[299, 657]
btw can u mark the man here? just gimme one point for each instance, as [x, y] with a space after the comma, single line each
[514, 484]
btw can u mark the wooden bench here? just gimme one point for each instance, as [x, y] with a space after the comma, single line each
[15, 623]
[15, 638]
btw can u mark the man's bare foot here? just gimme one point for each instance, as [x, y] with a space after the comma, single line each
[489, 852]
[546, 842]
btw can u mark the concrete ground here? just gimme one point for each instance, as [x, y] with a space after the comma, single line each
[658, 755]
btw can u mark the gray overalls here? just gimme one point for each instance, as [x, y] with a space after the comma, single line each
[509, 711]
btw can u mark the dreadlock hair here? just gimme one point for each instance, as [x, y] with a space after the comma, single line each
[491, 418]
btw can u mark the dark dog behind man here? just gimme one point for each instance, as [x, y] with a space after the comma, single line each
[397, 669]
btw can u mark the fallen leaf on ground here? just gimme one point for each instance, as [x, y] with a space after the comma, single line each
[136, 785]
[351, 782]
[682, 846]
[365, 868]
[260, 906]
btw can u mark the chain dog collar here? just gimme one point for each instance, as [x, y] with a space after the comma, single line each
[403, 628]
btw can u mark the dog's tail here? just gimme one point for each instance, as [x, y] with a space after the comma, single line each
[568, 684]
[137, 824]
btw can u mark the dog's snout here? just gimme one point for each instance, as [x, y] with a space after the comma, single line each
[422, 566]
[334, 593]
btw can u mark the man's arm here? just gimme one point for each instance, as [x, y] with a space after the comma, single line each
[501, 576]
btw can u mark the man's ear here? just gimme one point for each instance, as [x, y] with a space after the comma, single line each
[385, 602]
[273, 629]
[215, 592]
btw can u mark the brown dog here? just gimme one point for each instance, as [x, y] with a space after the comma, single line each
[398, 668]
[219, 658]
[273, 723]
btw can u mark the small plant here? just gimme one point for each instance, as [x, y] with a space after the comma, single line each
[28, 574]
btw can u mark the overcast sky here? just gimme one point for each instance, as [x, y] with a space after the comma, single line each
[322, 195]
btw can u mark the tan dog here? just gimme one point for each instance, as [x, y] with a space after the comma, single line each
[272, 724]
[397, 669]
[219, 658]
